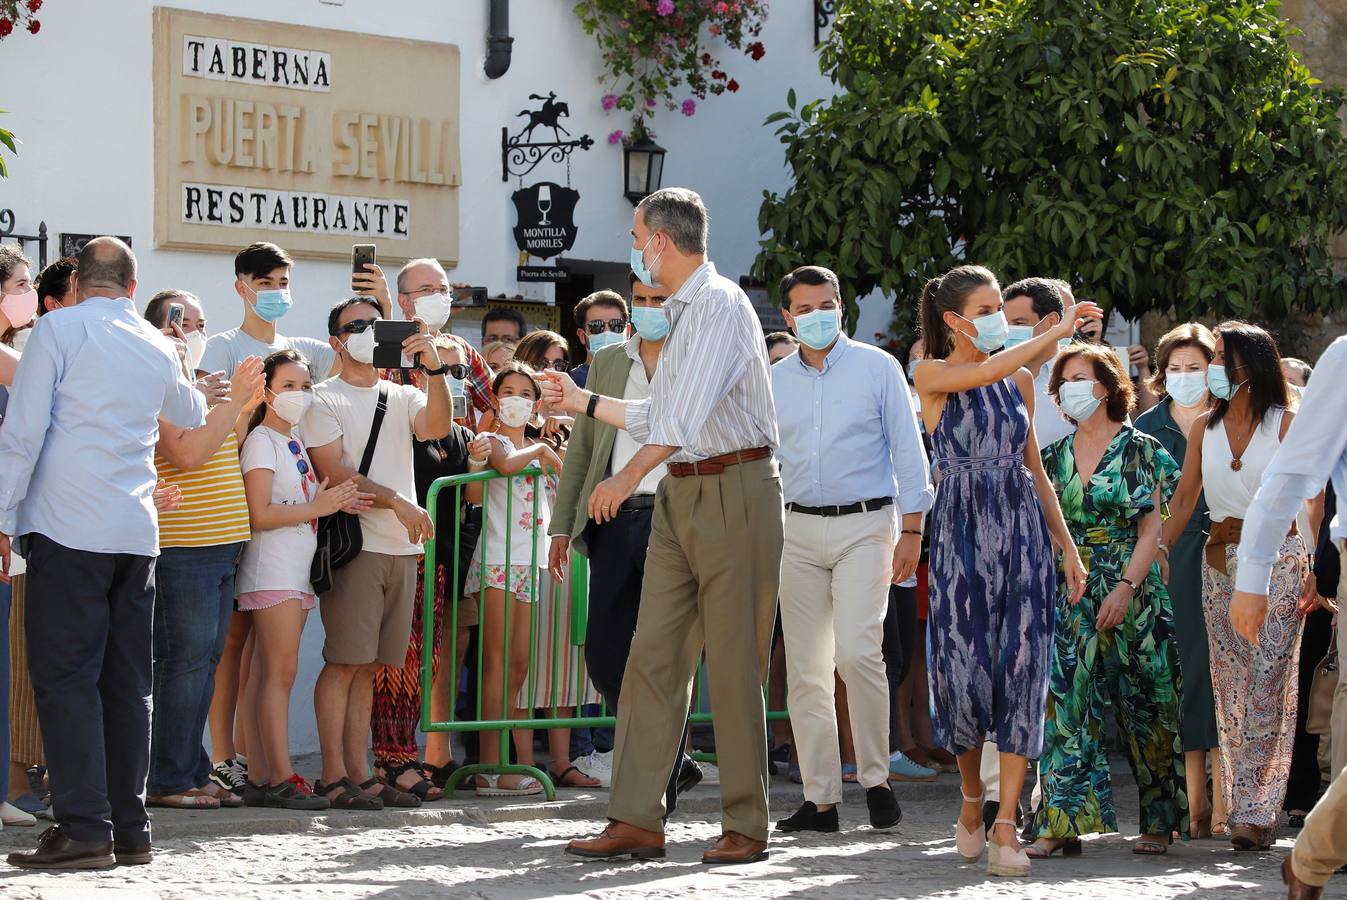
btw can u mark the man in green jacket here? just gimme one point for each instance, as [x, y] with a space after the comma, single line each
[616, 549]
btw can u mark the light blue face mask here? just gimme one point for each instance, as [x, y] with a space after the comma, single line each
[1186, 388]
[272, 304]
[604, 339]
[992, 329]
[638, 265]
[1077, 399]
[651, 323]
[818, 329]
[1218, 382]
[1018, 334]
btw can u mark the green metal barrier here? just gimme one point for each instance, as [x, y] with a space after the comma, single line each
[579, 606]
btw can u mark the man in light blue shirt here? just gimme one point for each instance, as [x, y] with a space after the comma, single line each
[76, 486]
[852, 464]
[1314, 450]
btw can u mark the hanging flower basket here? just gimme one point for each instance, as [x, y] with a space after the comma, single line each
[658, 52]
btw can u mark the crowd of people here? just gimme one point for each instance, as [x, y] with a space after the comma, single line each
[956, 561]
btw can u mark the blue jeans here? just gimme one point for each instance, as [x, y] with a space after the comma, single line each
[194, 601]
[6, 596]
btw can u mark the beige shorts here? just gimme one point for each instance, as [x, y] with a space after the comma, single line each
[368, 613]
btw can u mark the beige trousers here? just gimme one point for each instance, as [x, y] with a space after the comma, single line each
[835, 575]
[1322, 845]
[711, 576]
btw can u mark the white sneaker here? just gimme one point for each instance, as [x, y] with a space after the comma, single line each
[11, 815]
[598, 766]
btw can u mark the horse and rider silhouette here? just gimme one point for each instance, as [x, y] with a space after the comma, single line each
[548, 116]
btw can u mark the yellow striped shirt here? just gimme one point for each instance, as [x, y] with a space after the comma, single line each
[214, 509]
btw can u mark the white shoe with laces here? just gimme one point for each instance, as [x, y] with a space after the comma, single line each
[598, 766]
[11, 815]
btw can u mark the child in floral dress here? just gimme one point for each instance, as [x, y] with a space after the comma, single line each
[510, 557]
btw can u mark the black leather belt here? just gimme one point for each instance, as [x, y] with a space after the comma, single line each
[639, 501]
[848, 509]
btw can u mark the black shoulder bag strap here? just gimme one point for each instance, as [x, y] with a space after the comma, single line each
[379, 410]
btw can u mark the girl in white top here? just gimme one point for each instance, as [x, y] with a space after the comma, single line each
[1256, 687]
[285, 502]
[516, 572]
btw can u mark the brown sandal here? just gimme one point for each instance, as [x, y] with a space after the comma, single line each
[350, 798]
[193, 799]
[391, 797]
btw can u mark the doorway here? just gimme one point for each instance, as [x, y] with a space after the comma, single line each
[587, 276]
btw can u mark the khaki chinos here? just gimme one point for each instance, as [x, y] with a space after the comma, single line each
[711, 578]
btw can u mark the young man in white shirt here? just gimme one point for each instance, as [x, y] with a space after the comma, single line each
[262, 281]
[367, 613]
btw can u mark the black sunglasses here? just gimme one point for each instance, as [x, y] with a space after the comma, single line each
[558, 365]
[599, 326]
[356, 326]
[457, 371]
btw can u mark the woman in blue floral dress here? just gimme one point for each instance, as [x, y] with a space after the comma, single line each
[993, 528]
[1118, 642]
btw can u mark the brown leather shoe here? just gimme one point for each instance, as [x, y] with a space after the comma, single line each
[1250, 837]
[57, 851]
[620, 839]
[734, 849]
[1295, 888]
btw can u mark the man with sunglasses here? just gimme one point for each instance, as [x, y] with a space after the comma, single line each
[367, 613]
[424, 293]
[603, 322]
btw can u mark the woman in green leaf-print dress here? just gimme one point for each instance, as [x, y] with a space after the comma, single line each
[1117, 643]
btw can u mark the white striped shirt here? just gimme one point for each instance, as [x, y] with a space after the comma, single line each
[712, 391]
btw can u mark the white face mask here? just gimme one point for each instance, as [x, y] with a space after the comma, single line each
[515, 411]
[361, 346]
[196, 345]
[291, 405]
[433, 309]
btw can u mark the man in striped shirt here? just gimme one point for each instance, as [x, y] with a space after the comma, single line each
[713, 563]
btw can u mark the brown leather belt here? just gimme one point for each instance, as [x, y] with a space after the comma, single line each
[714, 465]
[1223, 534]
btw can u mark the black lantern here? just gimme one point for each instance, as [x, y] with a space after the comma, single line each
[642, 168]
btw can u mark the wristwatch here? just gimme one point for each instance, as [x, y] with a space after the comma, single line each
[443, 369]
[593, 405]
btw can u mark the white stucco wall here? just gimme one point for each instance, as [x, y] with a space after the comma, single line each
[79, 96]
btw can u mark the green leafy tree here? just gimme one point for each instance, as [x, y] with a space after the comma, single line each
[1165, 155]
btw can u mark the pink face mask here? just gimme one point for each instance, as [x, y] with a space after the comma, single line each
[19, 309]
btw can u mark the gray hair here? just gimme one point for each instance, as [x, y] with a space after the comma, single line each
[679, 213]
[108, 263]
[412, 264]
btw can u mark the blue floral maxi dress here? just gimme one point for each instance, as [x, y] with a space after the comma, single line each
[1135, 665]
[992, 578]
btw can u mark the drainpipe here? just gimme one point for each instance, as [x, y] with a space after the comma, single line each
[498, 40]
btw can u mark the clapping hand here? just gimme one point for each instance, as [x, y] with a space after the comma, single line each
[345, 497]
[215, 387]
[247, 387]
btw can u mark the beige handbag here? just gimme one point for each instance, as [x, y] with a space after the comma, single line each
[1319, 719]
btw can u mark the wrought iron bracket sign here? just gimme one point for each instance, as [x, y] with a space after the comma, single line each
[824, 10]
[7, 231]
[520, 154]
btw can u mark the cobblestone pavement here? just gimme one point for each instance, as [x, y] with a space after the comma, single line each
[467, 848]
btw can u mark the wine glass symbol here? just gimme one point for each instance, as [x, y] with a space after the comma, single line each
[544, 202]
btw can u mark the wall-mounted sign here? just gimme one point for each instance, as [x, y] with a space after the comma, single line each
[541, 273]
[72, 244]
[265, 131]
[545, 216]
[520, 155]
